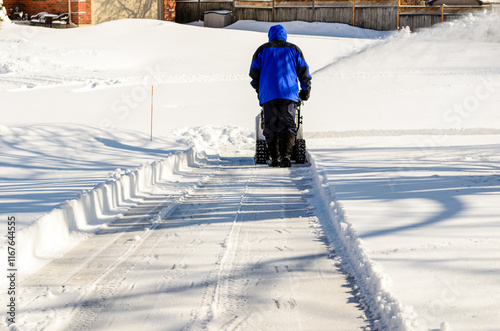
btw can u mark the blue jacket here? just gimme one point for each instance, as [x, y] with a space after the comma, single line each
[277, 67]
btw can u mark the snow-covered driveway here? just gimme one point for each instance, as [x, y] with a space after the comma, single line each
[241, 251]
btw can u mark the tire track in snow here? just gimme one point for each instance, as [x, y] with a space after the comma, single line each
[227, 259]
[217, 283]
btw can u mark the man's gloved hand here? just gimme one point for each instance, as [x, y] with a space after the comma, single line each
[304, 95]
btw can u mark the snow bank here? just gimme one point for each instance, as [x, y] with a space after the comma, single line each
[3, 13]
[312, 29]
[444, 77]
[69, 223]
[384, 309]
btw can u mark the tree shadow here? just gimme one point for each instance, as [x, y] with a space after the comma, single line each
[120, 9]
[118, 145]
[402, 177]
[43, 166]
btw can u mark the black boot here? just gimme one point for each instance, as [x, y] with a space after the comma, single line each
[287, 141]
[272, 145]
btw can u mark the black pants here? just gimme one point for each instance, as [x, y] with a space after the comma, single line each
[279, 117]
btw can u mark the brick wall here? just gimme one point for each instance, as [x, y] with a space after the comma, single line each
[80, 9]
[10, 4]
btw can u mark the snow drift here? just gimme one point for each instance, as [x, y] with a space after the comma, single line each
[3, 13]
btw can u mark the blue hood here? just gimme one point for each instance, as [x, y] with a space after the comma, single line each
[277, 32]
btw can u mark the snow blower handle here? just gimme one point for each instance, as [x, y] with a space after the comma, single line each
[299, 115]
[262, 119]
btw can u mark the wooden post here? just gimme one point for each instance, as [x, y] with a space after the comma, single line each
[272, 12]
[397, 20]
[200, 15]
[233, 11]
[353, 12]
[314, 10]
[151, 112]
[442, 13]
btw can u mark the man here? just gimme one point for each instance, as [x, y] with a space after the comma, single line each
[277, 68]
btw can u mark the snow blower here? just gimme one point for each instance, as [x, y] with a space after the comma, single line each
[261, 149]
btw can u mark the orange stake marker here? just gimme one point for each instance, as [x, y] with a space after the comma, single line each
[151, 112]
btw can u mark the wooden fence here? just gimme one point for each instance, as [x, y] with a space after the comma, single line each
[369, 14]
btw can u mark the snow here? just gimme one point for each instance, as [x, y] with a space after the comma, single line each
[402, 132]
[3, 13]
[427, 216]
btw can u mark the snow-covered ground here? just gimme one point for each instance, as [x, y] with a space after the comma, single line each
[403, 132]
